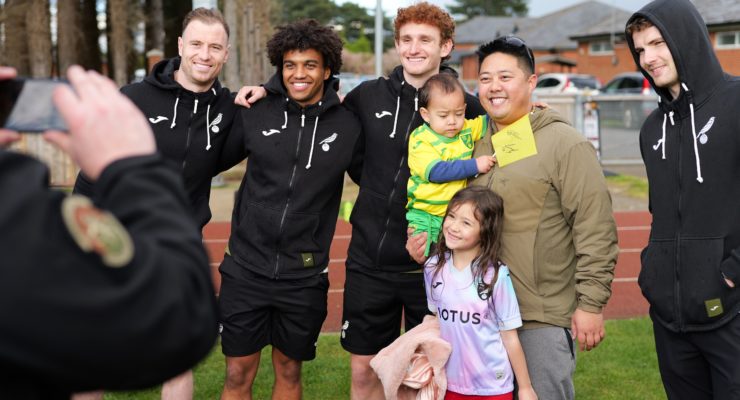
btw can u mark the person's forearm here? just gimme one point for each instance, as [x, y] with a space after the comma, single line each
[516, 358]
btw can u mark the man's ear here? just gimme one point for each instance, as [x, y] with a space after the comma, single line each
[327, 73]
[180, 43]
[446, 48]
[532, 82]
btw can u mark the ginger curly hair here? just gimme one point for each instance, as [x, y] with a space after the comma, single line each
[425, 13]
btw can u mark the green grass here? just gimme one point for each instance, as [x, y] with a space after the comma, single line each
[623, 367]
[631, 185]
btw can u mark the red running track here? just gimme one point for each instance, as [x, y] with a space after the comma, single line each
[626, 301]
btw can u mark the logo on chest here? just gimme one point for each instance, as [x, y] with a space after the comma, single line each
[326, 143]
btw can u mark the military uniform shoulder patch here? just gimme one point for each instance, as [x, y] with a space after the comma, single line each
[95, 230]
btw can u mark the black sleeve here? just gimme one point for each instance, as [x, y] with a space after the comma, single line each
[234, 149]
[81, 324]
[473, 108]
[83, 185]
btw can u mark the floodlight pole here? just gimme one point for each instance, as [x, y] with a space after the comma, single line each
[378, 38]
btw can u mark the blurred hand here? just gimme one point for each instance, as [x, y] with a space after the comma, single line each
[249, 95]
[7, 136]
[104, 125]
[415, 245]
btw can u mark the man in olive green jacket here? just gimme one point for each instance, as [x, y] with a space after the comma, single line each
[559, 236]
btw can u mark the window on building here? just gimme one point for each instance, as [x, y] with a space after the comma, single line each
[728, 40]
[601, 47]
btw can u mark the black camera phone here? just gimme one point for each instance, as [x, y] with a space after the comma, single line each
[26, 105]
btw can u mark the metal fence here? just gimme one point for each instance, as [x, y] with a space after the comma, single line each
[617, 127]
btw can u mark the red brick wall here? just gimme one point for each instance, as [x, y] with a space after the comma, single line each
[602, 66]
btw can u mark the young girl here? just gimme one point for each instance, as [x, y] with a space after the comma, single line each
[470, 291]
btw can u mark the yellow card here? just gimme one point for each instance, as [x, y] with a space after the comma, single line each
[515, 142]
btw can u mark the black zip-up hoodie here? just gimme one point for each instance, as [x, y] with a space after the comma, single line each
[691, 149]
[190, 129]
[389, 111]
[287, 206]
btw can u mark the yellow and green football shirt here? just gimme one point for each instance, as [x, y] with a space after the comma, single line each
[426, 149]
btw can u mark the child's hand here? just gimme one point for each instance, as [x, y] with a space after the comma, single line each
[485, 163]
[526, 393]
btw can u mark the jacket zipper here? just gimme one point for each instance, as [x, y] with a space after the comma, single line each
[276, 274]
[677, 272]
[187, 136]
[395, 180]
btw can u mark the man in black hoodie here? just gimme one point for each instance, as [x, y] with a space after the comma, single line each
[189, 111]
[691, 149]
[191, 115]
[383, 282]
[116, 295]
[299, 143]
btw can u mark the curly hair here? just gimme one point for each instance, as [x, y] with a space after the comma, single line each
[425, 13]
[302, 35]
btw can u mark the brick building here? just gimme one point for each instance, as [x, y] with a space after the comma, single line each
[588, 38]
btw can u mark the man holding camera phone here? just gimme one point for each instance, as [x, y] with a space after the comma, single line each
[127, 278]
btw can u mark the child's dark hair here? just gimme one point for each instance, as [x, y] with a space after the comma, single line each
[489, 210]
[445, 82]
[302, 35]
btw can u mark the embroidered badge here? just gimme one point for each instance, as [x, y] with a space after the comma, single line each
[702, 135]
[307, 259]
[382, 114]
[714, 307]
[95, 230]
[214, 124]
[467, 140]
[325, 143]
[158, 119]
[270, 132]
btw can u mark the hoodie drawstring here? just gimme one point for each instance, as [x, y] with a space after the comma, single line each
[313, 139]
[174, 116]
[208, 128]
[285, 114]
[398, 106]
[694, 137]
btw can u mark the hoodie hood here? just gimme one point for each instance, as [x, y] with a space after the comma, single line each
[687, 37]
[699, 70]
[163, 76]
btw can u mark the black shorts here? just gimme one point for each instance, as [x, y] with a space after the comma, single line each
[373, 304]
[256, 311]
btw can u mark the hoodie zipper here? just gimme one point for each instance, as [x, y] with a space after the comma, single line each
[187, 136]
[291, 181]
[395, 180]
[677, 272]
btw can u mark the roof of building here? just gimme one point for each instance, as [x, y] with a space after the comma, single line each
[714, 12]
[559, 29]
[550, 31]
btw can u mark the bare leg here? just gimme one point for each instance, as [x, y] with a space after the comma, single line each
[97, 395]
[365, 383]
[240, 374]
[179, 387]
[287, 377]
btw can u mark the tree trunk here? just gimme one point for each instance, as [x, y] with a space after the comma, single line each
[16, 48]
[89, 43]
[119, 40]
[174, 11]
[232, 12]
[68, 34]
[154, 25]
[38, 19]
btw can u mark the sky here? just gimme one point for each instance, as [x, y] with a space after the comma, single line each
[536, 7]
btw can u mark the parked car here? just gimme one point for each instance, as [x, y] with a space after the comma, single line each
[565, 83]
[628, 83]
